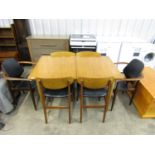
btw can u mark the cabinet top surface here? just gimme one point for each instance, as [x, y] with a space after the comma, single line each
[149, 80]
[46, 37]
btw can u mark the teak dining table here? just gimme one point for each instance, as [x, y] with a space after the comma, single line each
[75, 67]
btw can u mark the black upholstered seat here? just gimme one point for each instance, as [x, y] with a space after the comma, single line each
[132, 73]
[13, 71]
[94, 92]
[56, 93]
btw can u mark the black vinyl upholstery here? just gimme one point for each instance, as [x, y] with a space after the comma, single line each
[12, 67]
[133, 69]
[94, 92]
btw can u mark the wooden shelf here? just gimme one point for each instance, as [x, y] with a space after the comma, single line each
[7, 45]
[6, 37]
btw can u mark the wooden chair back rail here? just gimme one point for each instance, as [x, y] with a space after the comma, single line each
[62, 54]
[88, 54]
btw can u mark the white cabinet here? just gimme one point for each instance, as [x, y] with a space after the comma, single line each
[137, 50]
[110, 49]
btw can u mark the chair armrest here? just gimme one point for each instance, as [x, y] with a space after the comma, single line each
[118, 63]
[27, 62]
[16, 79]
[131, 79]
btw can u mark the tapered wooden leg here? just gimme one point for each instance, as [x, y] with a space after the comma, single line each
[33, 99]
[81, 108]
[114, 98]
[69, 106]
[45, 115]
[134, 93]
[104, 114]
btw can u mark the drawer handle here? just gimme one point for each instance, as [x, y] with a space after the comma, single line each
[48, 45]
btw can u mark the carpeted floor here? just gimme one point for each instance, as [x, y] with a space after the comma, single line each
[124, 119]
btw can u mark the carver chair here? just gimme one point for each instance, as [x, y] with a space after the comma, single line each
[12, 71]
[94, 88]
[55, 88]
[132, 76]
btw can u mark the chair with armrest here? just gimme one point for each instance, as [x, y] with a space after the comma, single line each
[12, 71]
[132, 73]
[94, 88]
[88, 54]
[55, 88]
[62, 54]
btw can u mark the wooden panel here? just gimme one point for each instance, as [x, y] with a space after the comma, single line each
[54, 67]
[144, 99]
[97, 67]
[49, 43]
[45, 45]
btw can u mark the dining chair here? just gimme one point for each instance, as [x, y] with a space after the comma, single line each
[55, 88]
[12, 72]
[132, 73]
[62, 54]
[94, 88]
[88, 54]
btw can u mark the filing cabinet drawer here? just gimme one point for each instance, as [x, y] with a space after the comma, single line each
[51, 44]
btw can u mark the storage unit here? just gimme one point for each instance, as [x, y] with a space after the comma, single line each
[144, 99]
[8, 46]
[22, 31]
[142, 51]
[39, 45]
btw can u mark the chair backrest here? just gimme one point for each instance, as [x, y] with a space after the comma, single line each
[88, 54]
[94, 83]
[59, 83]
[133, 69]
[12, 68]
[62, 54]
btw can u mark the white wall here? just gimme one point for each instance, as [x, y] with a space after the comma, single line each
[138, 28]
[5, 22]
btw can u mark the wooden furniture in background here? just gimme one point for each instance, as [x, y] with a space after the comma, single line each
[39, 45]
[144, 99]
[22, 30]
[8, 44]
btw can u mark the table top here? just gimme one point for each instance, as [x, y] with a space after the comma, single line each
[54, 67]
[148, 81]
[97, 67]
[75, 67]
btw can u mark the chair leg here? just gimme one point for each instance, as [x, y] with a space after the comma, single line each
[69, 106]
[81, 108]
[104, 114]
[33, 99]
[134, 93]
[45, 114]
[132, 97]
[114, 98]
